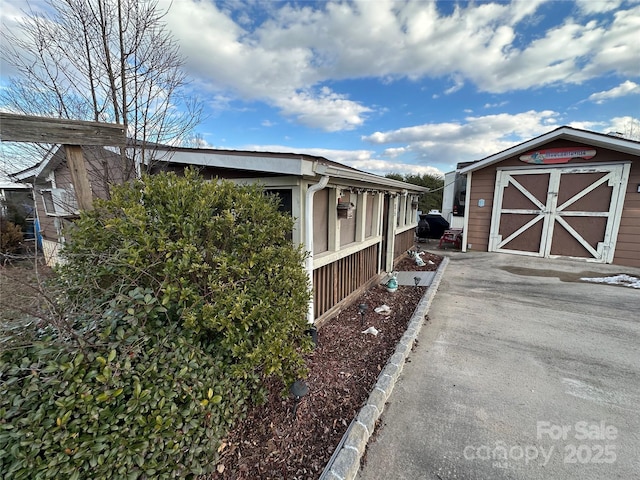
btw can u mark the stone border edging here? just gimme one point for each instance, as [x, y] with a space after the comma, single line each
[345, 465]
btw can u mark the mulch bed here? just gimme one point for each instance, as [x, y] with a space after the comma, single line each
[407, 264]
[272, 442]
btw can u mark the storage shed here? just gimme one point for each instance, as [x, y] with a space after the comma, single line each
[567, 193]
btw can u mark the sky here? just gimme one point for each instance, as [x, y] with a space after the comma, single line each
[411, 86]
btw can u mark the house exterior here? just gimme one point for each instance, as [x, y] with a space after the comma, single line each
[353, 224]
[14, 196]
[55, 198]
[567, 193]
[16, 206]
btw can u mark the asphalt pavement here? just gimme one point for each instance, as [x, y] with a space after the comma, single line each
[521, 372]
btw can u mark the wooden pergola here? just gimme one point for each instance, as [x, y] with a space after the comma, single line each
[72, 134]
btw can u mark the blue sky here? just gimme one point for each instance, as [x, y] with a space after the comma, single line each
[404, 86]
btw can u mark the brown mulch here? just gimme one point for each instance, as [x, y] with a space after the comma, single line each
[272, 442]
[407, 264]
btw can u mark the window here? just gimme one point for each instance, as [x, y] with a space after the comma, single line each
[59, 202]
[285, 197]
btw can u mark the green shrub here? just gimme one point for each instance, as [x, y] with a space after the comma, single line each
[177, 299]
[154, 406]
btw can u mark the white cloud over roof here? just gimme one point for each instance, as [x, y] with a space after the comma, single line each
[318, 74]
[284, 58]
[622, 90]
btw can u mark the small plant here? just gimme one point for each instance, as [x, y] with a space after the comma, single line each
[10, 237]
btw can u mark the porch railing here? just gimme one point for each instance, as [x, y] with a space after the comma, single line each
[336, 281]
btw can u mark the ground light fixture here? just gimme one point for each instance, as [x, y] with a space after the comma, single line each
[362, 309]
[299, 389]
[312, 331]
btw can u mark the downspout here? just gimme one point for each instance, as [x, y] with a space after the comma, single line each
[308, 239]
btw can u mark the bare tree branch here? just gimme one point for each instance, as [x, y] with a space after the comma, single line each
[103, 60]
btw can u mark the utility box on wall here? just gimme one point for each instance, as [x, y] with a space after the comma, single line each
[345, 209]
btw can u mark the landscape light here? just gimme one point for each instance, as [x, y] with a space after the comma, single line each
[299, 389]
[362, 309]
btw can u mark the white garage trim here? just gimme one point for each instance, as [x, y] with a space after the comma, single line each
[550, 213]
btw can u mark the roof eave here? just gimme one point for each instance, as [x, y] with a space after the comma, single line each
[44, 166]
[286, 164]
[597, 139]
[369, 178]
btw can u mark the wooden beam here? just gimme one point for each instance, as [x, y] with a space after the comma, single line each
[79, 176]
[25, 128]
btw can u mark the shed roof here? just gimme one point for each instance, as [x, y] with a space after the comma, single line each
[609, 141]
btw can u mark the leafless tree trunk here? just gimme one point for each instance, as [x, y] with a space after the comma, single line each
[632, 129]
[103, 60]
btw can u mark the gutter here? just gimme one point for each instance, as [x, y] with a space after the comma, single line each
[365, 177]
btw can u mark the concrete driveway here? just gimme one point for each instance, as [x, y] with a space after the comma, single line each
[522, 372]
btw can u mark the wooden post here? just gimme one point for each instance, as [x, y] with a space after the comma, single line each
[71, 134]
[361, 217]
[79, 176]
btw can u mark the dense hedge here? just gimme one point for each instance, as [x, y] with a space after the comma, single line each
[177, 298]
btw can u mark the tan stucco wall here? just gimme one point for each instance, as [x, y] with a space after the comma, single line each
[320, 221]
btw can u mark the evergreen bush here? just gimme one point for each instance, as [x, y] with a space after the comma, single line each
[177, 298]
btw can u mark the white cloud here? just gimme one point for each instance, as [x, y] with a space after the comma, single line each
[522, 124]
[495, 105]
[382, 167]
[341, 156]
[286, 57]
[225, 56]
[11, 16]
[587, 125]
[394, 152]
[622, 90]
[458, 83]
[437, 148]
[327, 111]
[614, 47]
[361, 159]
[284, 54]
[628, 126]
[477, 137]
[597, 6]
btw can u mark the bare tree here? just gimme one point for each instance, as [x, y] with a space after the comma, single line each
[106, 61]
[632, 129]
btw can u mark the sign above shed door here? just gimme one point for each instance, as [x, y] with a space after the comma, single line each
[559, 212]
